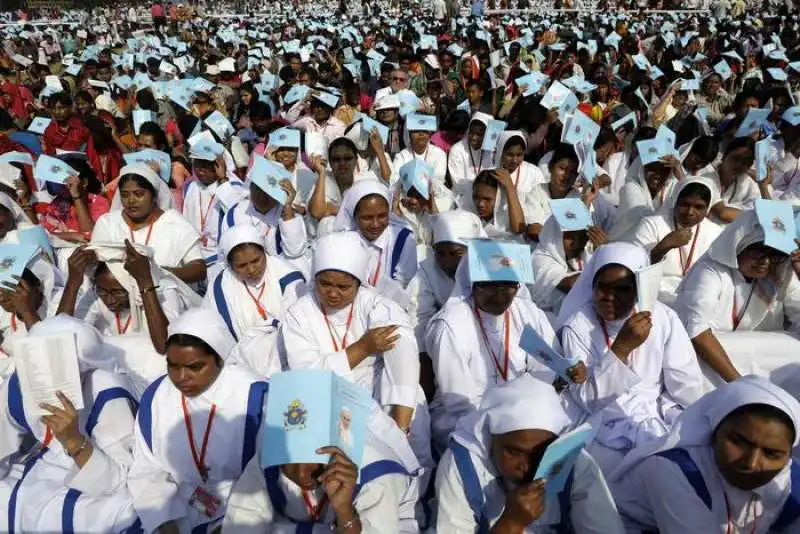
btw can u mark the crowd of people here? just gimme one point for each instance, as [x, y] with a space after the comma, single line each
[402, 196]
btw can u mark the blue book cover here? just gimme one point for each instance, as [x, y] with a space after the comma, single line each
[409, 102]
[531, 342]
[267, 175]
[499, 261]
[309, 409]
[777, 220]
[754, 120]
[36, 235]
[762, 152]
[534, 82]
[141, 116]
[157, 156]
[13, 260]
[571, 213]
[296, 93]
[53, 170]
[560, 456]
[368, 124]
[493, 131]
[580, 129]
[416, 174]
[555, 96]
[569, 105]
[39, 125]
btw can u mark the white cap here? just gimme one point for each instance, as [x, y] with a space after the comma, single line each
[227, 65]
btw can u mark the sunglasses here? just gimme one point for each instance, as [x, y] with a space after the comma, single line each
[775, 257]
[398, 79]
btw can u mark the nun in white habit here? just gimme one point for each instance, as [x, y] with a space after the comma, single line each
[252, 295]
[343, 325]
[435, 278]
[736, 302]
[483, 478]
[725, 467]
[272, 499]
[642, 369]
[68, 472]
[467, 159]
[679, 233]
[473, 342]
[196, 430]
[389, 242]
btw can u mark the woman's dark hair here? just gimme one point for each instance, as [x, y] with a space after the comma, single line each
[606, 136]
[563, 151]
[260, 110]
[485, 177]
[31, 278]
[241, 246]
[342, 142]
[83, 95]
[457, 121]
[61, 98]
[146, 100]
[644, 133]
[515, 140]
[6, 122]
[367, 197]
[706, 148]
[138, 180]
[85, 172]
[101, 268]
[154, 130]
[741, 142]
[188, 340]
[607, 266]
[695, 189]
[766, 411]
[743, 97]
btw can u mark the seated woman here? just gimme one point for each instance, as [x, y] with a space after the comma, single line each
[496, 203]
[346, 326]
[75, 206]
[306, 497]
[12, 217]
[736, 303]
[418, 210]
[679, 233]
[30, 300]
[390, 244]
[467, 157]
[485, 478]
[419, 129]
[372, 154]
[67, 471]
[641, 366]
[142, 220]
[128, 295]
[283, 231]
[473, 341]
[558, 261]
[195, 431]
[510, 155]
[253, 292]
[736, 188]
[727, 467]
[700, 155]
[284, 147]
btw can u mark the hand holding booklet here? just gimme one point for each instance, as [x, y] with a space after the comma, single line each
[532, 343]
[560, 457]
[648, 285]
[310, 409]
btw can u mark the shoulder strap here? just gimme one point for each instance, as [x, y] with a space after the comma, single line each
[565, 506]
[16, 407]
[68, 511]
[102, 399]
[791, 508]
[255, 406]
[684, 460]
[222, 305]
[230, 218]
[471, 483]
[399, 245]
[293, 276]
[376, 470]
[145, 415]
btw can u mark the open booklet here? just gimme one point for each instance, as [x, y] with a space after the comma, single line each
[648, 285]
[560, 456]
[309, 409]
[532, 343]
[45, 365]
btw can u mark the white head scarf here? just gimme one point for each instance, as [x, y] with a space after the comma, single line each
[341, 251]
[667, 209]
[502, 141]
[510, 407]
[696, 425]
[206, 324]
[346, 218]
[163, 194]
[239, 235]
[626, 254]
[457, 226]
[91, 351]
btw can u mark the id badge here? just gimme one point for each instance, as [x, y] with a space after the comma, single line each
[205, 502]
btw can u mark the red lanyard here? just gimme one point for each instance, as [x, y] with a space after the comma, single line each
[605, 331]
[475, 168]
[257, 300]
[374, 278]
[199, 461]
[729, 529]
[688, 263]
[121, 330]
[48, 437]
[13, 322]
[149, 231]
[346, 329]
[314, 512]
[204, 216]
[735, 317]
[504, 369]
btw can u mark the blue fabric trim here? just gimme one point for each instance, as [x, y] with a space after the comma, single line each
[293, 276]
[399, 245]
[104, 397]
[219, 223]
[68, 511]
[186, 187]
[230, 218]
[791, 508]
[222, 305]
[205, 527]
[378, 469]
[145, 415]
[16, 407]
[12, 501]
[305, 527]
[255, 406]
[278, 240]
[565, 506]
[276, 496]
[682, 458]
[473, 490]
[211, 260]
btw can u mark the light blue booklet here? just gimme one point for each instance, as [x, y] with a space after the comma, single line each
[762, 153]
[150, 154]
[532, 343]
[309, 409]
[37, 236]
[560, 456]
[777, 220]
[13, 260]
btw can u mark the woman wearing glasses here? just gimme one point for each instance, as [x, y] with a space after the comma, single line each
[739, 301]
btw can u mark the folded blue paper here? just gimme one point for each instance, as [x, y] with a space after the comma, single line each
[571, 214]
[417, 122]
[409, 102]
[220, 125]
[559, 458]
[368, 124]
[162, 159]
[531, 342]
[267, 175]
[36, 236]
[39, 125]
[534, 82]
[755, 119]
[777, 220]
[296, 93]
[309, 409]
[762, 153]
[580, 128]
[416, 174]
[493, 130]
[285, 137]
[653, 150]
[17, 157]
[499, 261]
[53, 170]
[13, 260]
[141, 116]
[555, 96]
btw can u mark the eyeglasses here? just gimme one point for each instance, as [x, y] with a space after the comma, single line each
[116, 294]
[775, 257]
[398, 79]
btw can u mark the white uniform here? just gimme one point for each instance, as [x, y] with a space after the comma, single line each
[204, 208]
[434, 156]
